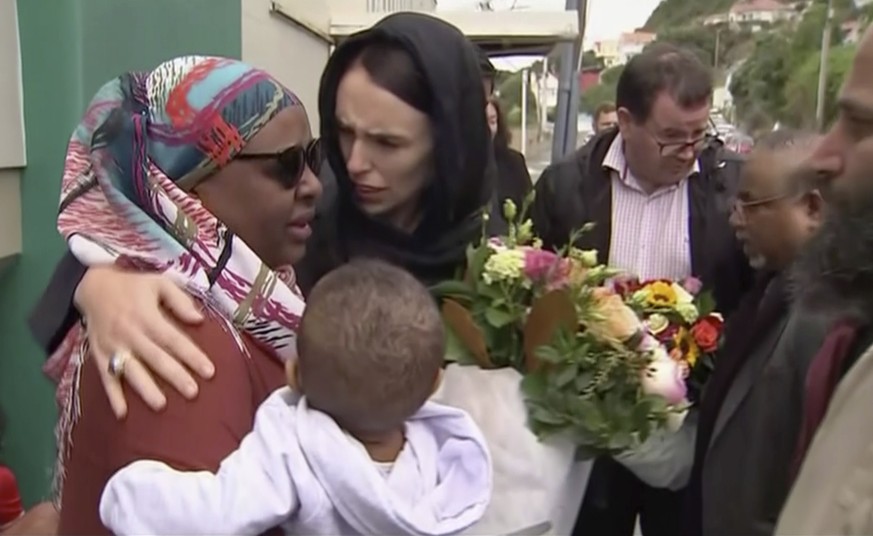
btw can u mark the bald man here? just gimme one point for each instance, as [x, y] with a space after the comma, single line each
[747, 424]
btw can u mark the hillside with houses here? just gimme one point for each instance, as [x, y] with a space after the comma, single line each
[765, 53]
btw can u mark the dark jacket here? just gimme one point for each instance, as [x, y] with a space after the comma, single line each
[750, 415]
[513, 178]
[578, 190]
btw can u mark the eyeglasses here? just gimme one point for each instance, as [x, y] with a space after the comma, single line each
[740, 206]
[292, 161]
[673, 148]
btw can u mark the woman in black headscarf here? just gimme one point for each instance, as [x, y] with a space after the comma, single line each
[405, 134]
[513, 177]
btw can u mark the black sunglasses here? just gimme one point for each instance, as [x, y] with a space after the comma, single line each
[292, 161]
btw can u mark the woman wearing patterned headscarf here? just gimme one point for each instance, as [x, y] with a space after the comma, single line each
[200, 170]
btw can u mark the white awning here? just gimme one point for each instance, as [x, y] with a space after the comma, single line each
[498, 32]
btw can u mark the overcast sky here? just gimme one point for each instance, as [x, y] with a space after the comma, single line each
[607, 18]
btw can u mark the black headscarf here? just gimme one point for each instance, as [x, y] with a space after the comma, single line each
[465, 170]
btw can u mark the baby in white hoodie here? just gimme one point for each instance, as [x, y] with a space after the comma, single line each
[351, 446]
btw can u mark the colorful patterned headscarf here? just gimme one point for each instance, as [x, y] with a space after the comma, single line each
[145, 140]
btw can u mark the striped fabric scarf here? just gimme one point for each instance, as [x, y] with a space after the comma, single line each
[145, 140]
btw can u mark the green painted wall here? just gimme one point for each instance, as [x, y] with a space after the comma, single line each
[69, 48]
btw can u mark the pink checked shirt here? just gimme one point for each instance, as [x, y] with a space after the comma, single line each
[650, 232]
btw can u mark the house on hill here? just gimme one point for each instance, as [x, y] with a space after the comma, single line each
[760, 12]
[753, 14]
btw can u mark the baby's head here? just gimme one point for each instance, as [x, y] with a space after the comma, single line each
[370, 347]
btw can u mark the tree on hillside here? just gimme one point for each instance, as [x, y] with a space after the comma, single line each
[604, 91]
[802, 87]
[775, 82]
[703, 41]
[678, 13]
[509, 91]
[757, 85]
[591, 59]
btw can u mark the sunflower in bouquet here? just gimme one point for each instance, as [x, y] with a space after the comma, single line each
[591, 370]
[682, 318]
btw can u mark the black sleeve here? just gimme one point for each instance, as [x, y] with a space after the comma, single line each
[546, 224]
[54, 313]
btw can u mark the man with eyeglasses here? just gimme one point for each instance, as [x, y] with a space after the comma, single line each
[748, 419]
[659, 191]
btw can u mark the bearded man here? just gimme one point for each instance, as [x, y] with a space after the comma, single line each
[833, 493]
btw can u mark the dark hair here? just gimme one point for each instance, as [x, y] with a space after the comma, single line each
[503, 137]
[603, 108]
[663, 67]
[371, 344]
[393, 69]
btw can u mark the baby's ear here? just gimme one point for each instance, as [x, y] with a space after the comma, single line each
[292, 375]
[438, 381]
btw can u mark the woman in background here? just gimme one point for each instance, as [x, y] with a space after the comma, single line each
[513, 177]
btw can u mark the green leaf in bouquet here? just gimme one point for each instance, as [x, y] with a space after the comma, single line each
[705, 304]
[490, 293]
[546, 416]
[468, 332]
[498, 317]
[457, 290]
[534, 385]
[583, 380]
[640, 414]
[564, 375]
[549, 354]
[476, 258]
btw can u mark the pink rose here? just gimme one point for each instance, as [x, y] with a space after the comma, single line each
[692, 285]
[543, 266]
[664, 377]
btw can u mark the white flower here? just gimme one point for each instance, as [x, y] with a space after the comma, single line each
[688, 312]
[506, 265]
[682, 295]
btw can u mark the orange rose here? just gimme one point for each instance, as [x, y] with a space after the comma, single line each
[613, 320]
[706, 333]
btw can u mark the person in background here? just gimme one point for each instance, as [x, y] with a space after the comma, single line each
[605, 118]
[659, 192]
[749, 416]
[350, 446]
[833, 492]
[513, 177]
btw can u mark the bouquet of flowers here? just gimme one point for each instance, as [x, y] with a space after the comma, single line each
[555, 368]
[682, 318]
